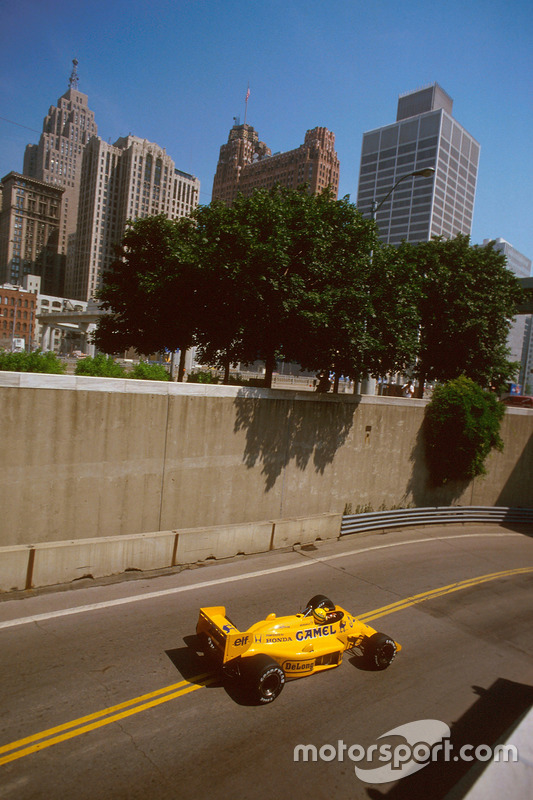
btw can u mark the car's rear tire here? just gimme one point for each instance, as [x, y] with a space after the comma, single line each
[379, 651]
[263, 678]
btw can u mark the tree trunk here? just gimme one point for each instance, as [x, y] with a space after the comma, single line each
[336, 383]
[270, 365]
[181, 368]
[227, 365]
[421, 383]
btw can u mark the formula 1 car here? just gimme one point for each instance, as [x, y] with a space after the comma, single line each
[277, 649]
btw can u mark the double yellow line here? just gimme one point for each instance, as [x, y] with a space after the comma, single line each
[39, 741]
[23, 747]
[432, 593]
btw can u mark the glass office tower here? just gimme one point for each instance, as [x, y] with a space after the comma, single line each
[424, 135]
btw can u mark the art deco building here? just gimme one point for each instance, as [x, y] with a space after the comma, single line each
[57, 158]
[424, 135]
[246, 164]
[29, 231]
[129, 179]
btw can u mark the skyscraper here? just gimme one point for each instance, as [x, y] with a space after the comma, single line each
[29, 231]
[57, 158]
[129, 179]
[246, 164]
[424, 135]
[520, 339]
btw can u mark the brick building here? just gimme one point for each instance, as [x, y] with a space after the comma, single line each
[245, 164]
[18, 308]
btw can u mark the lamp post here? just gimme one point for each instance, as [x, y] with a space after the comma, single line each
[428, 172]
[368, 385]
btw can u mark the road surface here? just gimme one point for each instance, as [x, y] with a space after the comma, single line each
[104, 694]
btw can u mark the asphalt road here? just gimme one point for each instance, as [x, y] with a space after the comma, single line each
[100, 694]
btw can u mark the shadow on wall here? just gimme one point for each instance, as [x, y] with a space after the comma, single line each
[281, 430]
[520, 479]
[420, 488]
[517, 492]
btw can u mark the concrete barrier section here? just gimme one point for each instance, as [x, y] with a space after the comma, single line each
[51, 563]
[62, 562]
[223, 541]
[306, 530]
[14, 562]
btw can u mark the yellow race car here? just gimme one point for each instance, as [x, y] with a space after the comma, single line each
[277, 649]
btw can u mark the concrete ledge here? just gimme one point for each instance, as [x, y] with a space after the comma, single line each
[85, 383]
[49, 563]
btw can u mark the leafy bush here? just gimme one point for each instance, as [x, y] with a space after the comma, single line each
[100, 366]
[149, 372]
[461, 427]
[202, 377]
[31, 362]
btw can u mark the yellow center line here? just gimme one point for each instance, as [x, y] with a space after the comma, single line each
[98, 719]
[399, 605]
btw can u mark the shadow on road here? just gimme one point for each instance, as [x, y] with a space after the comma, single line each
[492, 717]
[191, 664]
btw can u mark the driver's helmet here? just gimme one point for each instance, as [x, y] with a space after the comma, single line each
[320, 615]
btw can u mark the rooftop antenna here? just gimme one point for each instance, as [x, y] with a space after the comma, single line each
[73, 80]
[246, 102]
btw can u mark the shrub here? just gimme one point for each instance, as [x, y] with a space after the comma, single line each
[461, 427]
[100, 366]
[149, 372]
[31, 362]
[202, 377]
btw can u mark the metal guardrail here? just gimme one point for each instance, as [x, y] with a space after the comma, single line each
[438, 515]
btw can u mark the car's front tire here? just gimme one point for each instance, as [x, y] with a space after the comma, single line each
[379, 651]
[263, 678]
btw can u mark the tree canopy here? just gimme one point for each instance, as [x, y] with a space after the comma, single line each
[468, 299]
[283, 274]
[150, 289]
[289, 277]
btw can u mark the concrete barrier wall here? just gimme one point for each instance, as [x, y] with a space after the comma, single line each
[50, 563]
[84, 458]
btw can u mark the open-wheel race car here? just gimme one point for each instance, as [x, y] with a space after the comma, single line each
[277, 649]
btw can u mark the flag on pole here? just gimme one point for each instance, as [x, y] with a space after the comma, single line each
[247, 95]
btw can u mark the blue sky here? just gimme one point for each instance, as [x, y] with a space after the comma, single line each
[176, 73]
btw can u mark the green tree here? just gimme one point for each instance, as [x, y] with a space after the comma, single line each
[468, 300]
[289, 273]
[149, 290]
[461, 427]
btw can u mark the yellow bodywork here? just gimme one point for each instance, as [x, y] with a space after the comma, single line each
[298, 643]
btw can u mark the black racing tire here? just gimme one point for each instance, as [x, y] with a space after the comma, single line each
[319, 601]
[379, 651]
[263, 678]
[210, 650]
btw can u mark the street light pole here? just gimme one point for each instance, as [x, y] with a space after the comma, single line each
[368, 385]
[428, 172]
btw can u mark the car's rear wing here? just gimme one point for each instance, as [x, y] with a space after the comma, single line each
[230, 641]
